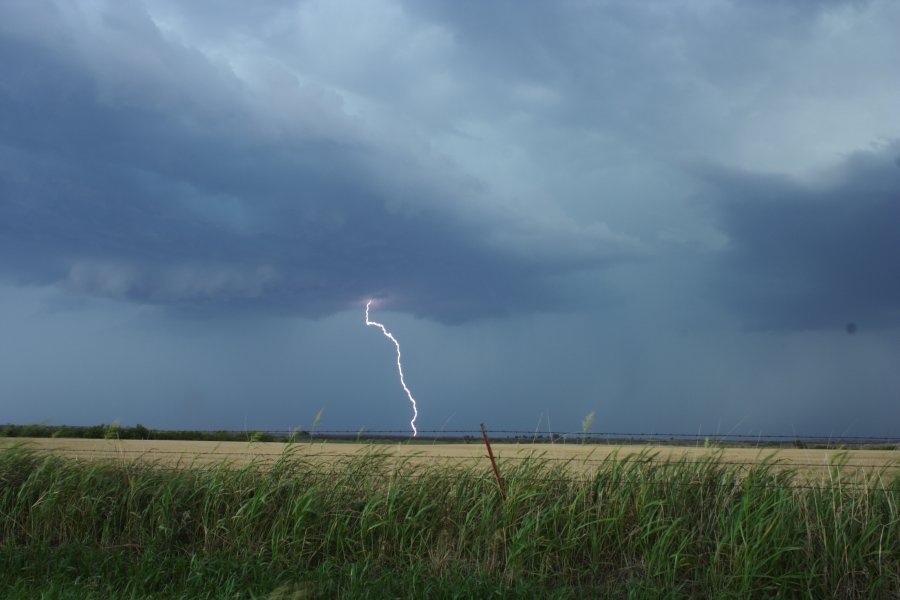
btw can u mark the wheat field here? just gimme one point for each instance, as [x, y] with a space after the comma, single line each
[576, 458]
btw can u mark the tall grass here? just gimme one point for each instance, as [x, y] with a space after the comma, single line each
[369, 527]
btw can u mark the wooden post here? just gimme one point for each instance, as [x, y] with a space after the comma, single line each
[487, 443]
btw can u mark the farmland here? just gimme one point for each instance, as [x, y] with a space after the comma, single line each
[163, 519]
[576, 458]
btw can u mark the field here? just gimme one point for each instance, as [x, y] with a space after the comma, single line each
[580, 459]
[162, 519]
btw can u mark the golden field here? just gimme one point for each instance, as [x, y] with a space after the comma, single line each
[579, 459]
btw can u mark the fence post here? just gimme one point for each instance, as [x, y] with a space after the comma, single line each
[487, 443]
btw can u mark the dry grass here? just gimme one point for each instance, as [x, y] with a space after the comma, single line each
[813, 464]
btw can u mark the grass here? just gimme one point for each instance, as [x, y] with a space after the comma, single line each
[373, 527]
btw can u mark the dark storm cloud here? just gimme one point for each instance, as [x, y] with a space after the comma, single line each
[814, 255]
[136, 167]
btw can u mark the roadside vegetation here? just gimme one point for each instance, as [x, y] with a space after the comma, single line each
[369, 527]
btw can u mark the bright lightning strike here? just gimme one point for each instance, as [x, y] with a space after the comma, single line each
[399, 366]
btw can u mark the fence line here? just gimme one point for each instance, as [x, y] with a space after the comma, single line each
[522, 433]
[537, 434]
[500, 434]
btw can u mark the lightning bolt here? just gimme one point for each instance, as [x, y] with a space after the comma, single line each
[391, 337]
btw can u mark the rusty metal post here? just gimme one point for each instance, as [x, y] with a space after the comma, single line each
[487, 443]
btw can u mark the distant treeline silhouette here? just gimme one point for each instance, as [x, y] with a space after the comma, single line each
[137, 432]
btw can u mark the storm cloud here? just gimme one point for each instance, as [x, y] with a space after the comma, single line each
[814, 254]
[670, 214]
[139, 168]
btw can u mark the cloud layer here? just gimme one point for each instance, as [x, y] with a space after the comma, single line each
[139, 167]
[665, 212]
[808, 255]
[298, 157]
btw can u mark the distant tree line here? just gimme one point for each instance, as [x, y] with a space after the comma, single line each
[115, 431]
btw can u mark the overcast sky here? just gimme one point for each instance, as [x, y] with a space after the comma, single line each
[683, 216]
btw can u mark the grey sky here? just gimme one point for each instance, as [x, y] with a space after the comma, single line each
[664, 212]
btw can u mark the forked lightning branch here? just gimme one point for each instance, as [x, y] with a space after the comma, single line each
[390, 336]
